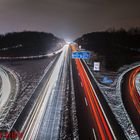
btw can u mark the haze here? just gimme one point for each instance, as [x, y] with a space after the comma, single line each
[68, 19]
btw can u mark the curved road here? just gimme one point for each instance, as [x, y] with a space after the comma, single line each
[5, 87]
[131, 97]
[133, 90]
[137, 83]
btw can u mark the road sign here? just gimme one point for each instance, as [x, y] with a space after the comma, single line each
[106, 80]
[81, 55]
[96, 66]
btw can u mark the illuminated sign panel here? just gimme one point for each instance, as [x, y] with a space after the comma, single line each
[81, 55]
[96, 66]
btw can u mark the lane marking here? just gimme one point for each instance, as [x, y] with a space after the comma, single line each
[99, 103]
[39, 108]
[81, 84]
[86, 102]
[79, 74]
[94, 133]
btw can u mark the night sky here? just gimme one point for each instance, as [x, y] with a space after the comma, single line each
[68, 19]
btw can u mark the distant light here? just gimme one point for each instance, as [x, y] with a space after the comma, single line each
[68, 42]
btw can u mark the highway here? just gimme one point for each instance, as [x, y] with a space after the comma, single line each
[50, 125]
[48, 104]
[131, 97]
[95, 122]
[132, 89]
[93, 115]
[5, 87]
[137, 83]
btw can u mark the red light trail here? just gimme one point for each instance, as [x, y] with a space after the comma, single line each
[132, 89]
[95, 108]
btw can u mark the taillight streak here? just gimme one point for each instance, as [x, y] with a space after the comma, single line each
[93, 103]
[132, 89]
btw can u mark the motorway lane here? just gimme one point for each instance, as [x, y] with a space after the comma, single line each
[27, 109]
[102, 128]
[98, 125]
[131, 98]
[33, 122]
[85, 125]
[50, 124]
[111, 117]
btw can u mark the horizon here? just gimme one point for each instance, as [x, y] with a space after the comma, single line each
[68, 19]
[70, 39]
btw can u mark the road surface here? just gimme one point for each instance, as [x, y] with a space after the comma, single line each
[45, 114]
[5, 87]
[95, 122]
[131, 97]
[95, 118]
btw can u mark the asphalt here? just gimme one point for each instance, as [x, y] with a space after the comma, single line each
[85, 124]
[128, 103]
[5, 87]
[23, 116]
[49, 128]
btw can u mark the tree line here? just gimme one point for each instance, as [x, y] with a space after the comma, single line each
[27, 43]
[119, 47]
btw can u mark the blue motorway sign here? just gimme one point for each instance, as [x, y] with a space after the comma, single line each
[106, 80]
[81, 55]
